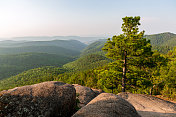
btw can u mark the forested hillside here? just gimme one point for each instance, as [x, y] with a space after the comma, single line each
[86, 62]
[14, 64]
[40, 49]
[32, 76]
[162, 39]
[162, 42]
[95, 47]
[19, 56]
[161, 79]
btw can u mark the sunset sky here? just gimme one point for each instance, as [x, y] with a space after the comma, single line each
[83, 17]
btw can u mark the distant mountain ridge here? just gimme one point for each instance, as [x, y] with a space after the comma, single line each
[162, 42]
[85, 40]
[61, 47]
[162, 39]
[74, 44]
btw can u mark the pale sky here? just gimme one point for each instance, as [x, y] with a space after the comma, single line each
[83, 17]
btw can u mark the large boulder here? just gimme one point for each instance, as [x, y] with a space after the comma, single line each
[47, 99]
[151, 106]
[107, 105]
[85, 94]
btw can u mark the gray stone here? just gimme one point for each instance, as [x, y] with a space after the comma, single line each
[149, 103]
[85, 94]
[45, 99]
[107, 105]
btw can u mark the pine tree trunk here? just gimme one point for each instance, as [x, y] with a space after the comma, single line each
[151, 90]
[112, 88]
[124, 72]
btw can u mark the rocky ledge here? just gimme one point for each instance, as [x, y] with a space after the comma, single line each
[58, 99]
[47, 99]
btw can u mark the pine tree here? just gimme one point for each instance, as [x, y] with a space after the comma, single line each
[129, 48]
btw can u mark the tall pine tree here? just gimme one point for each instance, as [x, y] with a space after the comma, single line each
[130, 49]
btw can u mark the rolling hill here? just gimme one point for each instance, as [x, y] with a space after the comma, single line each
[31, 76]
[94, 48]
[162, 39]
[61, 47]
[162, 42]
[86, 62]
[22, 72]
[13, 64]
[39, 49]
[18, 56]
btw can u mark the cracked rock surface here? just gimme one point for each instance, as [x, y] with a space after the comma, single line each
[45, 99]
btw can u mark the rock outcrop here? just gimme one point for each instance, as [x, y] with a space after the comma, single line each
[45, 99]
[85, 94]
[57, 99]
[149, 106]
[107, 105]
